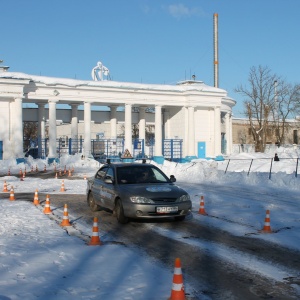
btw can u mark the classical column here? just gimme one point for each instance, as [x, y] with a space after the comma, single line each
[191, 130]
[168, 133]
[142, 123]
[52, 128]
[230, 133]
[227, 133]
[128, 124]
[74, 121]
[18, 129]
[158, 131]
[87, 129]
[185, 116]
[41, 128]
[113, 122]
[41, 120]
[217, 137]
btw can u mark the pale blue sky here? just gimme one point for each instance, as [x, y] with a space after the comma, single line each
[151, 41]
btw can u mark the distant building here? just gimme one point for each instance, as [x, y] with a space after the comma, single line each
[241, 132]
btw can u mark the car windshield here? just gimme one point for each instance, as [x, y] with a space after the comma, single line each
[140, 174]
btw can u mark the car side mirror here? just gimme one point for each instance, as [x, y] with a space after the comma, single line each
[108, 180]
[172, 178]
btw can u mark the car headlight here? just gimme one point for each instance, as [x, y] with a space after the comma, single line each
[139, 199]
[183, 198]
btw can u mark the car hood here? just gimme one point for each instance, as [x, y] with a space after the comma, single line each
[153, 190]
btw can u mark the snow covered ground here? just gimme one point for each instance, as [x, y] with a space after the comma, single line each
[39, 260]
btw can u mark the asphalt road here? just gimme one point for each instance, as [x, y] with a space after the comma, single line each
[210, 275]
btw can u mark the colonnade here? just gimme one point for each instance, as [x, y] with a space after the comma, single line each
[189, 134]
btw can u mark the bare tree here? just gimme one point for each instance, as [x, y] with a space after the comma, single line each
[29, 133]
[259, 102]
[295, 100]
[286, 99]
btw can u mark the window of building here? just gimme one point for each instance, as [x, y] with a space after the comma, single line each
[295, 136]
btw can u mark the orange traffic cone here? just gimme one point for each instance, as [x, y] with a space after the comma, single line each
[56, 175]
[47, 209]
[21, 177]
[95, 239]
[31, 169]
[177, 292]
[12, 194]
[8, 173]
[65, 221]
[36, 198]
[62, 189]
[5, 190]
[65, 170]
[267, 226]
[84, 177]
[69, 174]
[202, 209]
[20, 172]
[60, 173]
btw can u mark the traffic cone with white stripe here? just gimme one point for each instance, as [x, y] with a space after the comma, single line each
[177, 292]
[36, 198]
[202, 209]
[95, 239]
[62, 189]
[47, 209]
[65, 221]
[12, 194]
[267, 226]
[5, 190]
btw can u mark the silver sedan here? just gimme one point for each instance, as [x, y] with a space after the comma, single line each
[137, 190]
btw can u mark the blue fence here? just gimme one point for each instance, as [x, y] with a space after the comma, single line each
[102, 149]
[1, 150]
[172, 149]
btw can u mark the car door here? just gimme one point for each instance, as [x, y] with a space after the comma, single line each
[108, 189]
[97, 186]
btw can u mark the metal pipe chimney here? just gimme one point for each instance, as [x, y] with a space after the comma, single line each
[216, 52]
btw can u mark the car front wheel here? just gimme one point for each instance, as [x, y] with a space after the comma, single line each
[91, 203]
[120, 212]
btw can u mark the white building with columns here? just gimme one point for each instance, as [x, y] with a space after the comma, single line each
[198, 114]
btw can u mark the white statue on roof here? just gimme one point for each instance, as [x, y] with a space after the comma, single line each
[99, 72]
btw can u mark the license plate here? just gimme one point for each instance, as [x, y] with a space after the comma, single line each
[166, 209]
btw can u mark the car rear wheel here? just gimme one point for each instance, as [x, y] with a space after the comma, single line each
[120, 212]
[91, 202]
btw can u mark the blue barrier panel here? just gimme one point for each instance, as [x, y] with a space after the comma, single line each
[20, 160]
